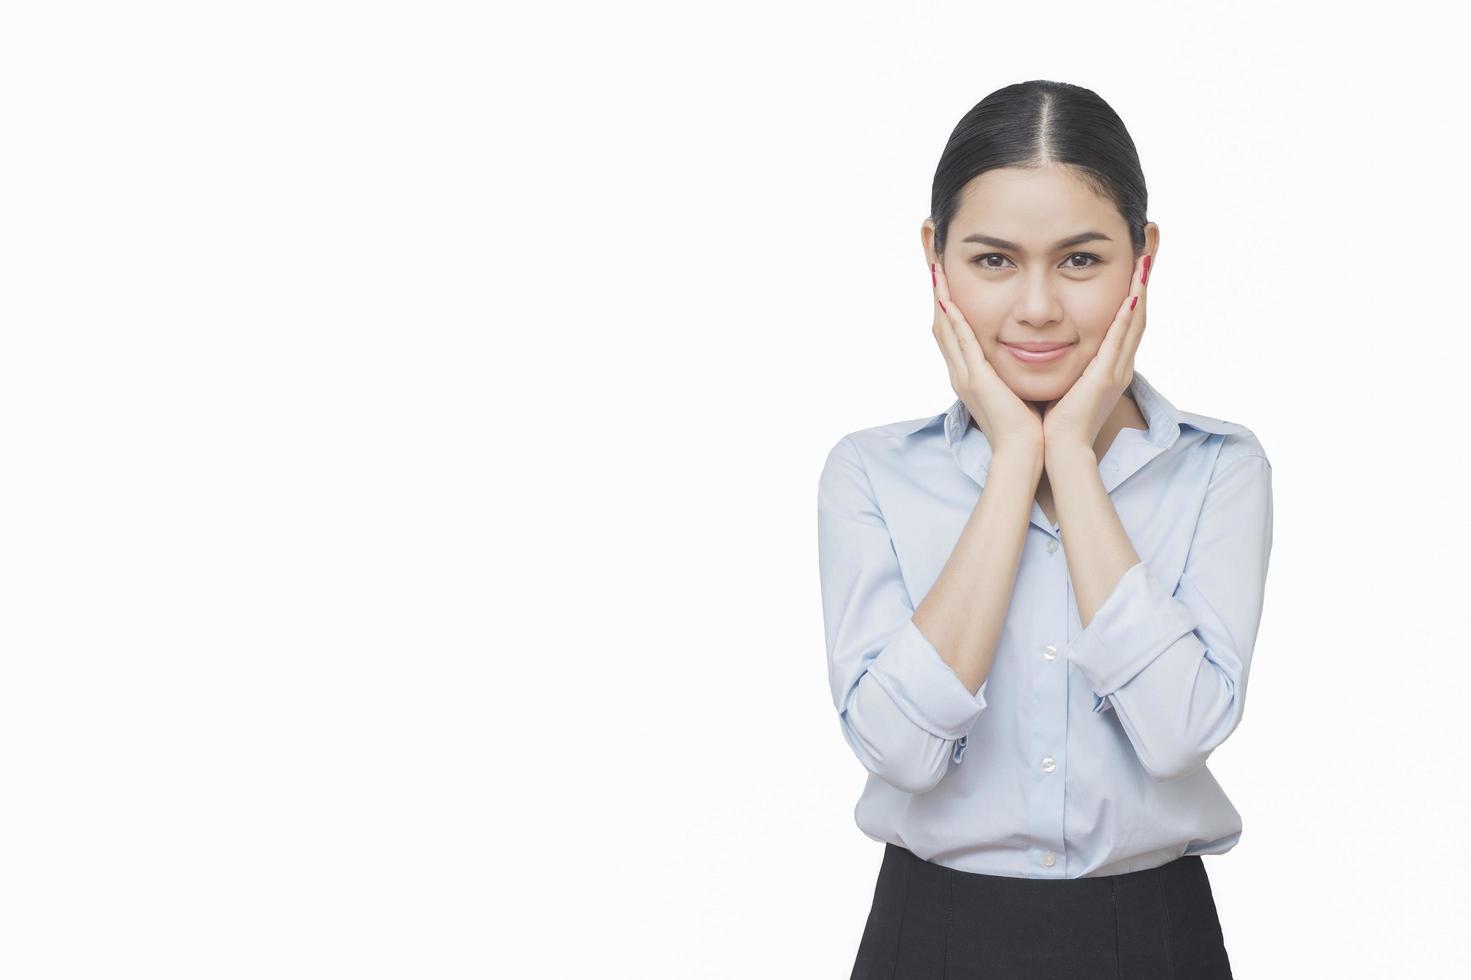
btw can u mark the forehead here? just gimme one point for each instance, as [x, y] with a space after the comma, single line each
[1028, 205]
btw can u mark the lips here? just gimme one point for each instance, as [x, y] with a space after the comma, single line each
[1038, 353]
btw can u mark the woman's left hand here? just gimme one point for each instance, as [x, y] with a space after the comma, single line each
[1074, 420]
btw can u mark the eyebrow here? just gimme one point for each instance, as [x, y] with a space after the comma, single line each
[1087, 236]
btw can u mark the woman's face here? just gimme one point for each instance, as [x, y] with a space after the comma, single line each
[1036, 256]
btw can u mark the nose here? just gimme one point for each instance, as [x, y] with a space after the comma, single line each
[1038, 305]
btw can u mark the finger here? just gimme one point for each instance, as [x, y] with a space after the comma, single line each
[944, 332]
[942, 284]
[1108, 350]
[1113, 341]
[965, 337]
[1139, 315]
[945, 337]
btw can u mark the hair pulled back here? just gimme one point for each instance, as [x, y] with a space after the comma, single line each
[1037, 124]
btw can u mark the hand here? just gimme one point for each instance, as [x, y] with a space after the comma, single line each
[1075, 419]
[1008, 422]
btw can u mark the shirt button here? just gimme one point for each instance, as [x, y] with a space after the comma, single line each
[1048, 765]
[1050, 652]
[1049, 859]
[1051, 546]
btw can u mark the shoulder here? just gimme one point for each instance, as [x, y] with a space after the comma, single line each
[1230, 441]
[844, 485]
[883, 440]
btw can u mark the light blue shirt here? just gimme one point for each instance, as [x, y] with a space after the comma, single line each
[1084, 751]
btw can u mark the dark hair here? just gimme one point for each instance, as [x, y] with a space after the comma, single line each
[1034, 124]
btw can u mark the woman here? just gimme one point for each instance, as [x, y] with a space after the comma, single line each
[1051, 824]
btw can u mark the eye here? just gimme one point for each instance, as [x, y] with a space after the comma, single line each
[980, 260]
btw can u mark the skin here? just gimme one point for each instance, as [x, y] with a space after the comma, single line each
[1031, 294]
[1049, 425]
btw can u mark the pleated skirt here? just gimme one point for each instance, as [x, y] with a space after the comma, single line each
[930, 922]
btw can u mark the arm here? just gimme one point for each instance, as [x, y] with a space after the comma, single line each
[1174, 665]
[908, 685]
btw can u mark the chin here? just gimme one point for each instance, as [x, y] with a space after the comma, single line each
[1040, 389]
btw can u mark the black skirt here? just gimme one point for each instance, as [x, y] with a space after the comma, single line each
[930, 922]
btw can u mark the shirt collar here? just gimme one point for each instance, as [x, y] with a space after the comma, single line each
[1165, 423]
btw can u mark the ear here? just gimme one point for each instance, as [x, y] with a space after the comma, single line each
[927, 240]
[1151, 240]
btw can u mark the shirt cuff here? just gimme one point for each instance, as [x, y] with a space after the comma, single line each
[926, 690]
[1136, 623]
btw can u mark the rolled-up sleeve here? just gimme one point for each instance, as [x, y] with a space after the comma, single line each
[1175, 666]
[902, 710]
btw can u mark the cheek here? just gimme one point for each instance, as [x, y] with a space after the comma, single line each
[982, 309]
[1093, 320]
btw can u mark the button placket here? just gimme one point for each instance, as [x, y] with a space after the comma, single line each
[1049, 858]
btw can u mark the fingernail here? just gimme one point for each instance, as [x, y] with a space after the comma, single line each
[1145, 277]
[942, 306]
[933, 281]
[1133, 302]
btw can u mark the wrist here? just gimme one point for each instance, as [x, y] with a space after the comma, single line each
[1023, 459]
[1068, 452]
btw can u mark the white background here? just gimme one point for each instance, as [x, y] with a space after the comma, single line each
[411, 421]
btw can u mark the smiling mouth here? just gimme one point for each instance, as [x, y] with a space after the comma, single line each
[1037, 346]
[1047, 355]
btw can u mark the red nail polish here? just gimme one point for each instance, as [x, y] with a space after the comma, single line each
[1145, 277]
[942, 306]
[933, 281]
[1133, 302]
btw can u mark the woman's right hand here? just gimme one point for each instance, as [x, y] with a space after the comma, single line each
[1009, 423]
